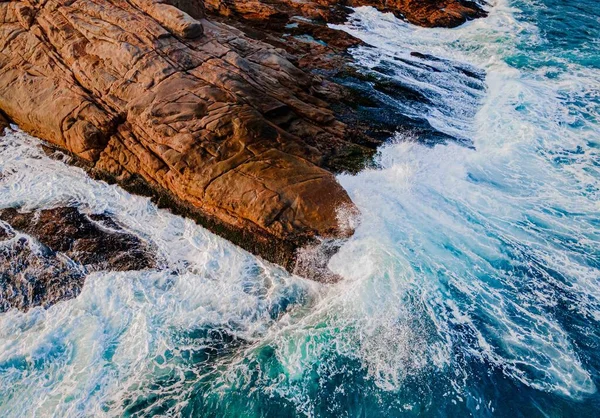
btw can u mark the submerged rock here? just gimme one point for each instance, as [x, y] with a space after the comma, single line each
[223, 127]
[32, 275]
[45, 255]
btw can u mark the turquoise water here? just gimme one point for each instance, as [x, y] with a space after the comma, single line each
[471, 286]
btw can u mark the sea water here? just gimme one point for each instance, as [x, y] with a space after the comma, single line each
[471, 286]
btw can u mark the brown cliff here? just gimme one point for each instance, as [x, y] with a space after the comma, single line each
[219, 125]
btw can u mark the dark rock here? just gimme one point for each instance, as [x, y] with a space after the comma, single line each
[3, 123]
[95, 241]
[5, 233]
[45, 255]
[32, 275]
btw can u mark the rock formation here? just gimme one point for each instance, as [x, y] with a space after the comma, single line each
[46, 255]
[95, 241]
[427, 13]
[222, 126]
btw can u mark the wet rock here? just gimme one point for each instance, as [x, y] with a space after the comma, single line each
[32, 275]
[313, 261]
[5, 233]
[46, 255]
[429, 13]
[376, 112]
[94, 241]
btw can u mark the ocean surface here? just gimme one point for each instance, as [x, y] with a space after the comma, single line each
[471, 286]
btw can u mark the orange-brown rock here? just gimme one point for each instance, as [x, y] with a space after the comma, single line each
[428, 13]
[221, 126]
[432, 13]
[226, 125]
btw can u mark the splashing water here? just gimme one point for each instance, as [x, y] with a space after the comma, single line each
[472, 284]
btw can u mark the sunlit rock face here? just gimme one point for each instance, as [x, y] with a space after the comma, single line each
[427, 13]
[224, 127]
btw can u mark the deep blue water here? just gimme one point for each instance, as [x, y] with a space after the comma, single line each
[472, 284]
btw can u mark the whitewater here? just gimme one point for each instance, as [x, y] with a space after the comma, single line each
[470, 288]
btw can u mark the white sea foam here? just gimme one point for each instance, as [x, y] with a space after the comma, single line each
[447, 216]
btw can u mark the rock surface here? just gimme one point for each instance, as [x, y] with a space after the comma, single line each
[221, 125]
[3, 123]
[427, 13]
[95, 241]
[229, 126]
[431, 13]
[46, 255]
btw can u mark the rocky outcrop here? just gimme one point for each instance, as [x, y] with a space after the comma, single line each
[427, 13]
[223, 126]
[430, 13]
[46, 255]
[95, 241]
[229, 127]
[32, 276]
